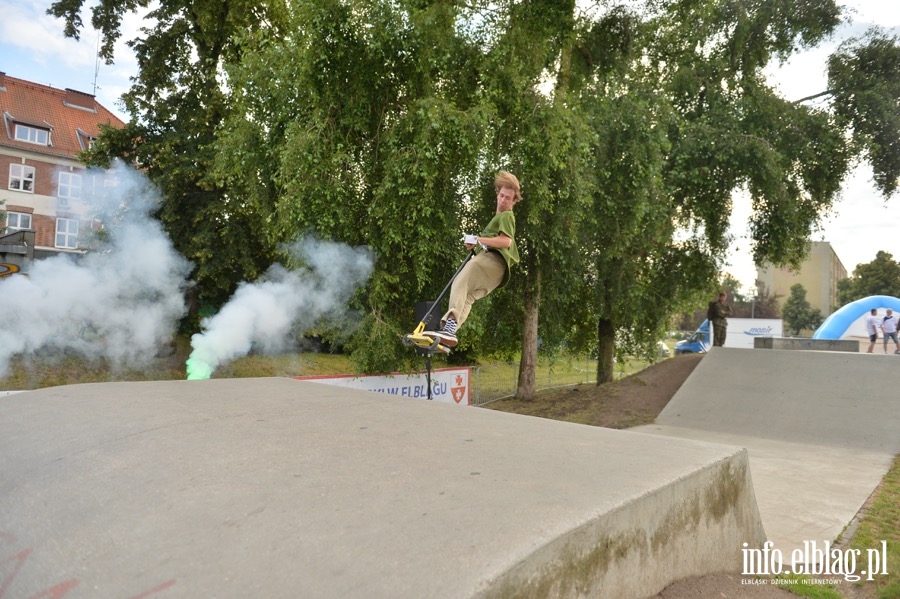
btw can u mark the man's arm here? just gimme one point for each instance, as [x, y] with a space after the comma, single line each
[501, 242]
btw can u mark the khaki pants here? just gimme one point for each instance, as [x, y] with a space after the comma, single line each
[481, 275]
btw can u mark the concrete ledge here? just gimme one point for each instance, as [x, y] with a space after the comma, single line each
[807, 344]
[282, 488]
[690, 527]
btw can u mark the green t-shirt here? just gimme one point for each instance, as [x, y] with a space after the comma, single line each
[505, 223]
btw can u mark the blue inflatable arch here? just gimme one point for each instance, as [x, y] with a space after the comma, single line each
[837, 324]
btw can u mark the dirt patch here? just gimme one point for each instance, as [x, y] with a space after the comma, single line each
[633, 401]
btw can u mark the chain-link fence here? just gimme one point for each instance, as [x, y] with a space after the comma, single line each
[498, 380]
[491, 382]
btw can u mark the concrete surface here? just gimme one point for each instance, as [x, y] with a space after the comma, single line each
[850, 345]
[821, 429]
[280, 488]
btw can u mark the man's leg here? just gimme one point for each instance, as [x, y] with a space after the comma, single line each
[718, 335]
[479, 277]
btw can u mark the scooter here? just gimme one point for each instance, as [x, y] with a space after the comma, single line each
[417, 338]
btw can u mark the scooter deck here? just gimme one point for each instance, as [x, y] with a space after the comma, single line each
[429, 344]
[425, 342]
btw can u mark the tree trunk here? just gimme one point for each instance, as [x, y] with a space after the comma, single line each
[606, 350]
[525, 387]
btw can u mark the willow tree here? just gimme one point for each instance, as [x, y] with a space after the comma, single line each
[367, 122]
[692, 123]
[666, 115]
[680, 118]
[547, 140]
[864, 93]
[383, 123]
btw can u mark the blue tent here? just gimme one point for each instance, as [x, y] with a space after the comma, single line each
[837, 324]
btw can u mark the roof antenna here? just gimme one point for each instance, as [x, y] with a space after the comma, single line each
[97, 64]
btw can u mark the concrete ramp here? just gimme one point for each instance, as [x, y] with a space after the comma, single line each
[280, 488]
[821, 429]
[821, 398]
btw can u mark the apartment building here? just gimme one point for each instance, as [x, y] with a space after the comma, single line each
[44, 184]
[819, 274]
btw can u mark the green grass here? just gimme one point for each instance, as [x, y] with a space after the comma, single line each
[36, 373]
[881, 522]
[302, 364]
[497, 380]
[490, 381]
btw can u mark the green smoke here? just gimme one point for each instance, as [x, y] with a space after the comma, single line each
[197, 369]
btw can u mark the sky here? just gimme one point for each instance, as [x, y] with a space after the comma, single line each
[32, 47]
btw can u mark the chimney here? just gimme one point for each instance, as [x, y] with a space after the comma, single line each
[2, 81]
[77, 99]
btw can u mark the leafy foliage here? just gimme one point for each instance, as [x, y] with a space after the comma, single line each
[798, 313]
[355, 122]
[881, 276]
[383, 122]
[865, 84]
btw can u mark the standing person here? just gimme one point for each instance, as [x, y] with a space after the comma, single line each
[889, 328]
[872, 329]
[717, 314]
[490, 267]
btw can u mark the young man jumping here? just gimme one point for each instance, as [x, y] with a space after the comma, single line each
[490, 267]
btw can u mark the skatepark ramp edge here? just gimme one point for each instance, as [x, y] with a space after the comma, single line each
[276, 487]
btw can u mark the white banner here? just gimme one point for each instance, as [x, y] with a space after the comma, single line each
[448, 385]
[742, 331]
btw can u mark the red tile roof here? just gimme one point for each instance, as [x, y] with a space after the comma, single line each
[68, 113]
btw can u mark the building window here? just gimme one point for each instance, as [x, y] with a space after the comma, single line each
[21, 177]
[16, 221]
[85, 140]
[32, 135]
[66, 233]
[69, 186]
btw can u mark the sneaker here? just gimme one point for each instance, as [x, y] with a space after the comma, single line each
[447, 334]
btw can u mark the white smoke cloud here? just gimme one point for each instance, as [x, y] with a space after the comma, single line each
[269, 314]
[121, 301]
